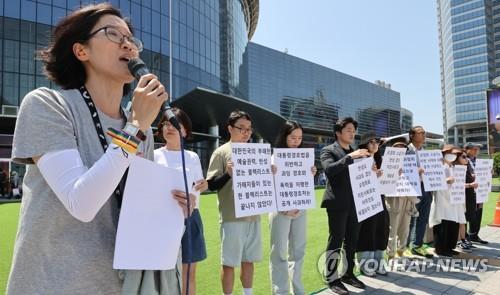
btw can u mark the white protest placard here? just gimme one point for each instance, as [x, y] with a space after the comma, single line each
[151, 222]
[294, 180]
[253, 182]
[434, 177]
[408, 184]
[483, 178]
[392, 162]
[457, 192]
[364, 183]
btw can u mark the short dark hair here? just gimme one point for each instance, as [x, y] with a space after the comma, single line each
[288, 128]
[61, 65]
[413, 131]
[235, 116]
[183, 119]
[341, 123]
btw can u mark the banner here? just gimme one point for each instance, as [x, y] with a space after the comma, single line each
[408, 184]
[483, 178]
[294, 180]
[364, 183]
[457, 192]
[432, 163]
[392, 162]
[253, 183]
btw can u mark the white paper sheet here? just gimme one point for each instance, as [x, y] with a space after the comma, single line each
[392, 162]
[294, 180]
[434, 176]
[364, 183]
[253, 182]
[151, 222]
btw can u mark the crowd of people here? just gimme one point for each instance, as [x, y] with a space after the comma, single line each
[399, 230]
[76, 173]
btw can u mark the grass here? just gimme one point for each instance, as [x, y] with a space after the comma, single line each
[9, 215]
[208, 270]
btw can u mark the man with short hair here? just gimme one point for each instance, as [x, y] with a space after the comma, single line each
[339, 203]
[241, 237]
[418, 225]
[472, 150]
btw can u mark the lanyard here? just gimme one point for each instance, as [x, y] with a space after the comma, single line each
[102, 138]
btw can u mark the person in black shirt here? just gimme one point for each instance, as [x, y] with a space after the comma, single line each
[339, 203]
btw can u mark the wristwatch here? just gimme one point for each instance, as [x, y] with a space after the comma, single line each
[133, 130]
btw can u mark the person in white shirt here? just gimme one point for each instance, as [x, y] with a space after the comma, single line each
[446, 217]
[170, 156]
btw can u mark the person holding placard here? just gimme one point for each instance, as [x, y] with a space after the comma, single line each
[169, 155]
[288, 229]
[445, 217]
[374, 231]
[472, 150]
[77, 143]
[338, 200]
[418, 225]
[401, 210]
[241, 237]
[470, 184]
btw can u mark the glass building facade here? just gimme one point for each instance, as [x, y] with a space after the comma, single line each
[469, 47]
[210, 49]
[317, 96]
[209, 39]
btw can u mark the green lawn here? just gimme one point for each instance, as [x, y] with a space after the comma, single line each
[208, 270]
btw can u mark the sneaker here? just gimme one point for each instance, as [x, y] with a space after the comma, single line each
[478, 240]
[462, 246]
[353, 281]
[421, 251]
[338, 288]
[407, 253]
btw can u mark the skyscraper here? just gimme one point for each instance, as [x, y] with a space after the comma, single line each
[469, 39]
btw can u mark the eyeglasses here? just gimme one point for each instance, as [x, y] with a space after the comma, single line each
[167, 124]
[244, 130]
[114, 35]
[463, 157]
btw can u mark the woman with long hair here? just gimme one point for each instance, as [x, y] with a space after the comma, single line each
[288, 229]
[374, 231]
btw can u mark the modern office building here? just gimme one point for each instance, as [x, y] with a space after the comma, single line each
[215, 70]
[406, 120]
[317, 96]
[469, 47]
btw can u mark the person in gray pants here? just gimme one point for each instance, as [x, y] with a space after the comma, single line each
[288, 230]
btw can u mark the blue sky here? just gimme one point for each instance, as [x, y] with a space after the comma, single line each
[391, 40]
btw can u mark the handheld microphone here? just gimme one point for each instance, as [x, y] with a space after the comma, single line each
[138, 69]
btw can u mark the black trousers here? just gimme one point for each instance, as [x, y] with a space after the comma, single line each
[475, 223]
[344, 229]
[445, 236]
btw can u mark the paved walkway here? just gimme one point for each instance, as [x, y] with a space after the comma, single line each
[430, 276]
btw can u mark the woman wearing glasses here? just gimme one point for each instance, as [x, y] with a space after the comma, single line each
[77, 144]
[470, 202]
[374, 231]
[170, 156]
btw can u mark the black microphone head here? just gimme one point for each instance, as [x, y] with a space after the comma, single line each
[137, 67]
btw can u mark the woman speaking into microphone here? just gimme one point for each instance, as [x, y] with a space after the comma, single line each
[77, 144]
